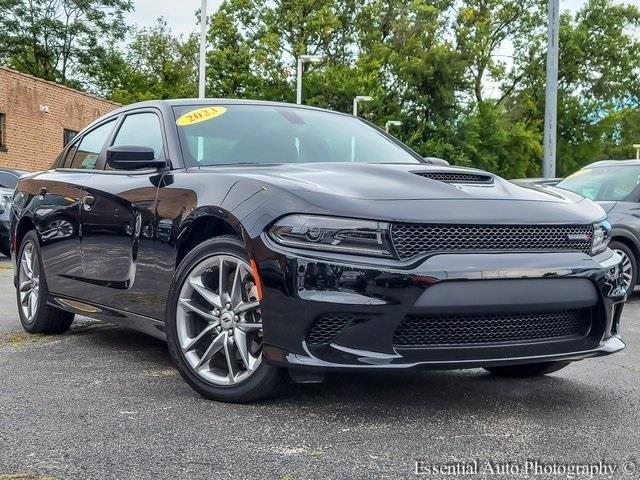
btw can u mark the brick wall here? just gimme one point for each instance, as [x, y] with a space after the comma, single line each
[33, 137]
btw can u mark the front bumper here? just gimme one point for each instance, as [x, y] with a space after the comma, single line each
[376, 295]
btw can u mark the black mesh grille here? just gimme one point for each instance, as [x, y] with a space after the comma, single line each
[452, 177]
[327, 327]
[414, 239]
[436, 330]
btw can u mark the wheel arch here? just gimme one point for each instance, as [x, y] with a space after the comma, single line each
[24, 225]
[203, 224]
[627, 238]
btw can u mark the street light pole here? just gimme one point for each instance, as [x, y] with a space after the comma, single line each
[551, 97]
[299, 82]
[637, 147]
[358, 99]
[392, 123]
[302, 59]
[203, 49]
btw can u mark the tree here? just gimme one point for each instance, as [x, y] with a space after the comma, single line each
[51, 38]
[154, 64]
[483, 27]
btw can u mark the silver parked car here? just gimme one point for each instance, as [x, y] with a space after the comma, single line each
[615, 185]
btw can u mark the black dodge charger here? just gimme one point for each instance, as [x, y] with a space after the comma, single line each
[258, 238]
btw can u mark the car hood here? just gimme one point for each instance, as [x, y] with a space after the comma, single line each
[391, 182]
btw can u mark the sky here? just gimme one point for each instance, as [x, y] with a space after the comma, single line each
[181, 15]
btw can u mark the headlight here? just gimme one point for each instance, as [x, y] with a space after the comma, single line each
[360, 237]
[601, 237]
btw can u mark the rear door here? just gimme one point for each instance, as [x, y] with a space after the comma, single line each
[118, 221]
[56, 199]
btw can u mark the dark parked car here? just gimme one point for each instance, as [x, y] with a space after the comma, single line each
[8, 181]
[615, 185]
[260, 237]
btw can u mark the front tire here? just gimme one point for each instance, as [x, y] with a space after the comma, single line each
[32, 293]
[528, 370]
[628, 266]
[214, 324]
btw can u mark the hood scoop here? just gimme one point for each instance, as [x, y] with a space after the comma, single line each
[457, 177]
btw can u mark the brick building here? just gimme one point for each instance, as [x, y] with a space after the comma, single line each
[38, 117]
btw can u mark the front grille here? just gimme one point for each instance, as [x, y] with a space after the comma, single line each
[410, 239]
[452, 177]
[327, 327]
[489, 328]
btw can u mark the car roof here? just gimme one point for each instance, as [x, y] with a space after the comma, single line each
[611, 163]
[182, 102]
[18, 173]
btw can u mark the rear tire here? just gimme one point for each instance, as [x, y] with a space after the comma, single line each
[528, 370]
[213, 333]
[36, 315]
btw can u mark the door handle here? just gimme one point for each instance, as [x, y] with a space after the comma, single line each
[88, 202]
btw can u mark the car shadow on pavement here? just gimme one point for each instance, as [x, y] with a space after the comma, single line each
[378, 395]
[462, 390]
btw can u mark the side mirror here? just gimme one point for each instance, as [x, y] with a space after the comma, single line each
[132, 157]
[436, 161]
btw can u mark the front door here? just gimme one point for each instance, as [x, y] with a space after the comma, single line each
[118, 224]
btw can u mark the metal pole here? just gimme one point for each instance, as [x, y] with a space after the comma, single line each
[203, 49]
[299, 83]
[551, 98]
[355, 107]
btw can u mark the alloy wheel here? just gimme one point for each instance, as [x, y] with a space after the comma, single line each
[29, 280]
[218, 320]
[626, 270]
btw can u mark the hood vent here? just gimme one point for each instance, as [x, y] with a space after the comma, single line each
[457, 177]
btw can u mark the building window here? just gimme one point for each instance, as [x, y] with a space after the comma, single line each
[3, 132]
[67, 136]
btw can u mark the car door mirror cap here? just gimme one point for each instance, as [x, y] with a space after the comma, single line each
[133, 157]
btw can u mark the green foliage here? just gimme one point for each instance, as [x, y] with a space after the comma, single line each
[155, 64]
[51, 38]
[466, 79]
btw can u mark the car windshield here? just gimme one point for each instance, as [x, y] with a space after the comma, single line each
[611, 183]
[241, 134]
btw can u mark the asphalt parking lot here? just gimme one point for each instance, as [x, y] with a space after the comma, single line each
[105, 402]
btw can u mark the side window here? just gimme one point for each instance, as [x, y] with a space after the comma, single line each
[68, 155]
[143, 130]
[85, 155]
